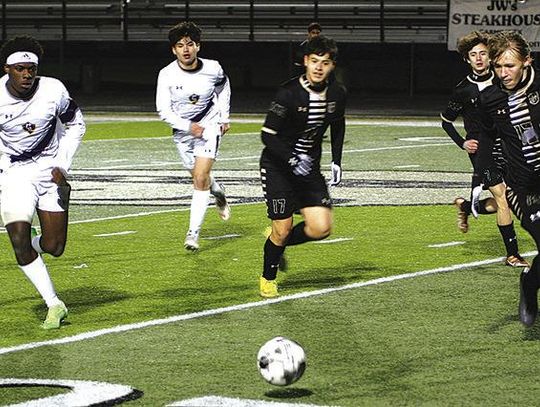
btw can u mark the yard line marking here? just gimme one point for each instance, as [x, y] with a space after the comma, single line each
[446, 244]
[249, 305]
[221, 237]
[406, 166]
[127, 232]
[337, 239]
[253, 157]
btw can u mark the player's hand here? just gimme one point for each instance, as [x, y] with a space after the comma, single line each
[475, 200]
[470, 146]
[59, 176]
[196, 130]
[336, 175]
[225, 128]
[302, 164]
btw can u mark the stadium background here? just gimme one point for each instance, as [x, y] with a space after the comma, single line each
[393, 55]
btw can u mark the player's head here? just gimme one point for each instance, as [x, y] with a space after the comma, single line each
[510, 55]
[314, 29]
[320, 56]
[20, 56]
[473, 47]
[185, 42]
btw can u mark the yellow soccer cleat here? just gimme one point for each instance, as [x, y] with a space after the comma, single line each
[268, 288]
[55, 316]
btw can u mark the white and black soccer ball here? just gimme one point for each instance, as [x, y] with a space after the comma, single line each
[281, 361]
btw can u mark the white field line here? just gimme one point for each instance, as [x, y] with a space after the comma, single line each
[125, 232]
[446, 244]
[336, 240]
[249, 305]
[253, 157]
[221, 237]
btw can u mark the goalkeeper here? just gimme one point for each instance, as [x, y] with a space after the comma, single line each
[292, 134]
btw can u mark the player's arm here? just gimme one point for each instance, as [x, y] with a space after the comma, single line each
[164, 105]
[276, 120]
[223, 92]
[449, 116]
[74, 128]
[337, 137]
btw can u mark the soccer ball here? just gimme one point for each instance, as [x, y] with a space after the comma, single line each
[281, 361]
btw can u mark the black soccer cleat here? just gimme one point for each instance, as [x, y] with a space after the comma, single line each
[528, 297]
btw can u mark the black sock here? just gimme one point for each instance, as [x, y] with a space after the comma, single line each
[298, 235]
[509, 238]
[272, 256]
[466, 207]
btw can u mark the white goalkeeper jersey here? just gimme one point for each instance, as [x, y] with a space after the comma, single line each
[200, 95]
[49, 124]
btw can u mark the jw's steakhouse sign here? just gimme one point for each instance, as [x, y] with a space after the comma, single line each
[494, 15]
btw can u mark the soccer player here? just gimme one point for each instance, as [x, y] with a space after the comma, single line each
[510, 109]
[314, 29]
[290, 162]
[193, 97]
[464, 102]
[41, 128]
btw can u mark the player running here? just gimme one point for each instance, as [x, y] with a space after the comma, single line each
[193, 97]
[290, 162]
[464, 102]
[41, 128]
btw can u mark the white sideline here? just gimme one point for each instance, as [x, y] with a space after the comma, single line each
[217, 311]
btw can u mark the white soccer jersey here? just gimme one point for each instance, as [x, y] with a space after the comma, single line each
[201, 95]
[49, 124]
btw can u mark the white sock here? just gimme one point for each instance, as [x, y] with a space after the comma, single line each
[214, 186]
[199, 203]
[39, 276]
[35, 244]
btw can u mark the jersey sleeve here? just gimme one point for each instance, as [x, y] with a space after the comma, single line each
[164, 105]
[74, 128]
[223, 92]
[449, 116]
[337, 129]
[274, 124]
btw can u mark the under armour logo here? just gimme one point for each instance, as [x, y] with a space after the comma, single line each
[302, 109]
[501, 111]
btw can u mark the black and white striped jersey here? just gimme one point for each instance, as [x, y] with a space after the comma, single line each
[298, 117]
[464, 103]
[514, 116]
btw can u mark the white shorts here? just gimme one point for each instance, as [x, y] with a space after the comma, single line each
[25, 187]
[190, 147]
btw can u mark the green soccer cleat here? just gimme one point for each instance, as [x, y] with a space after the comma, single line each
[268, 288]
[55, 316]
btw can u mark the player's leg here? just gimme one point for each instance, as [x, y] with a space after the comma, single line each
[199, 200]
[317, 225]
[218, 191]
[280, 204]
[18, 202]
[505, 224]
[528, 211]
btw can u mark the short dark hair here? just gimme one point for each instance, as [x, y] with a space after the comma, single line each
[471, 40]
[321, 45]
[314, 26]
[185, 29]
[20, 43]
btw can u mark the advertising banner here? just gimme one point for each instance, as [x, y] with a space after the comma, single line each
[494, 15]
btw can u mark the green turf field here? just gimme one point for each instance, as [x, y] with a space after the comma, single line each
[395, 308]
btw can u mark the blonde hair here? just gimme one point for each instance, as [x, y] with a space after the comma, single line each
[503, 41]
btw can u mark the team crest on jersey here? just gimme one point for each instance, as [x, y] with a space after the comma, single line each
[331, 107]
[534, 98]
[29, 127]
[194, 98]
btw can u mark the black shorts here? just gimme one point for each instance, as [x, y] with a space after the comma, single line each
[526, 207]
[285, 192]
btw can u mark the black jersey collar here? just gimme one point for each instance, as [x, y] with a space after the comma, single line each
[315, 88]
[488, 76]
[197, 68]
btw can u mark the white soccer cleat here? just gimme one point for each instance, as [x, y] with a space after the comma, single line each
[192, 242]
[221, 203]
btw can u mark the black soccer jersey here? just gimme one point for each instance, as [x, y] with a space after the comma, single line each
[464, 102]
[297, 119]
[514, 116]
